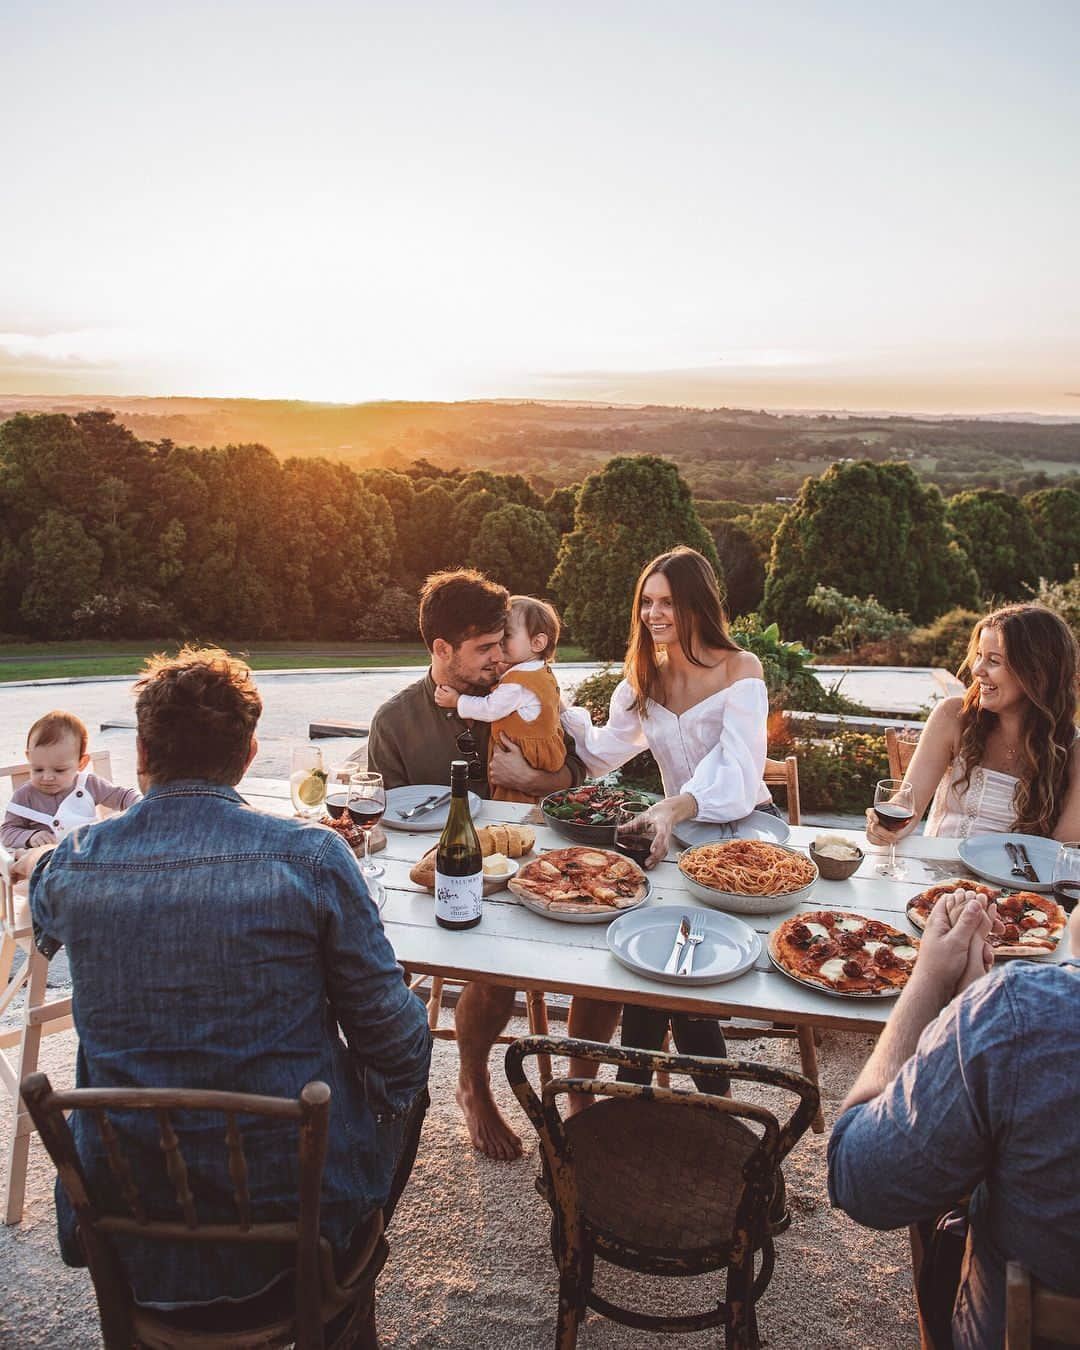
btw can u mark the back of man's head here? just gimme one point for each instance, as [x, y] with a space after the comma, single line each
[196, 714]
[461, 604]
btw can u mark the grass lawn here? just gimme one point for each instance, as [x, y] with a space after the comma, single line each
[47, 660]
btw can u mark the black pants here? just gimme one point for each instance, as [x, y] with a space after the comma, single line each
[645, 1028]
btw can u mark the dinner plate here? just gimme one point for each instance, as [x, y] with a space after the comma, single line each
[563, 916]
[985, 856]
[642, 941]
[757, 825]
[401, 799]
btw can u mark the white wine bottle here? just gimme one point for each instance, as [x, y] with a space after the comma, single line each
[459, 861]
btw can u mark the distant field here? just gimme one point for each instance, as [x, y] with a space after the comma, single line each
[49, 660]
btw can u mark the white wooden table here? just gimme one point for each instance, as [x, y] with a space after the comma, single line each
[514, 946]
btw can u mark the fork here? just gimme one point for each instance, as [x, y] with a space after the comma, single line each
[426, 805]
[1016, 870]
[697, 934]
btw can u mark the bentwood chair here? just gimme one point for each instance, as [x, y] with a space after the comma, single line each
[40, 1016]
[1034, 1313]
[900, 747]
[662, 1181]
[293, 1311]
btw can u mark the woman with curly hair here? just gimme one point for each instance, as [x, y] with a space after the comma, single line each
[1006, 755]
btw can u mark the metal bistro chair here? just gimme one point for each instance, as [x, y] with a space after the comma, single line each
[1033, 1312]
[40, 1017]
[662, 1181]
[291, 1312]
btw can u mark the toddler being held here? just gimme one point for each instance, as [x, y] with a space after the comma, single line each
[62, 792]
[524, 706]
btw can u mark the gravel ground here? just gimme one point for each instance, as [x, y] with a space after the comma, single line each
[470, 1265]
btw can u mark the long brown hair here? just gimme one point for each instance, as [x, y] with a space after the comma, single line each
[1041, 651]
[699, 618]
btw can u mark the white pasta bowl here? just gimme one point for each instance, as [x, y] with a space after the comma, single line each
[738, 903]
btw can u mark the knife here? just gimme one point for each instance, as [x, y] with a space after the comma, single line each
[680, 943]
[1029, 871]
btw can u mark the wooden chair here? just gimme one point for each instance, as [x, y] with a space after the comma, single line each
[1033, 1312]
[661, 1181]
[785, 773]
[40, 1016]
[295, 1311]
[900, 746]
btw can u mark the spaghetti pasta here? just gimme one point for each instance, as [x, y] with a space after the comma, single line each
[748, 867]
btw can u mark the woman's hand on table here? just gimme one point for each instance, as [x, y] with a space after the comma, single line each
[662, 817]
[877, 834]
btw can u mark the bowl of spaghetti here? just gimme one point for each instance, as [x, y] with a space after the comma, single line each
[748, 876]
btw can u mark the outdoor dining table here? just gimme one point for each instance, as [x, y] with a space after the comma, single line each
[517, 947]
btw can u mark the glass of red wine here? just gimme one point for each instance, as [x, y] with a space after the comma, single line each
[1065, 880]
[894, 806]
[365, 803]
[633, 837]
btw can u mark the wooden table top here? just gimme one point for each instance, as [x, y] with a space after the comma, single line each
[514, 946]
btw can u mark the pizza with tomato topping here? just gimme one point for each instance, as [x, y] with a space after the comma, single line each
[1033, 923]
[581, 881]
[844, 953]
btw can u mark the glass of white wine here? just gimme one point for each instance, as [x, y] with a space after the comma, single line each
[307, 781]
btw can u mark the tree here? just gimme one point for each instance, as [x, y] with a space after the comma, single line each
[630, 511]
[560, 507]
[516, 546]
[866, 529]
[64, 565]
[744, 572]
[998, 536]
[1055, 516]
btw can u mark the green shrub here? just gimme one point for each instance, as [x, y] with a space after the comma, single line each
[391, 617]
[857, 621]
[787, 668]
[838, 770]
[941, 643]
[1063, 597]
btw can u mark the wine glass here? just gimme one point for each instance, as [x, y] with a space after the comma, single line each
[307, 780]
[365, 804]
[1065, 880]
[894, 806]
[633, 844]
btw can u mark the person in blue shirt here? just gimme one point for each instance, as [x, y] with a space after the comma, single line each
[972, 1091]
[214, 946]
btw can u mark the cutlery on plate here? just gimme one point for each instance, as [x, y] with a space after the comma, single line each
[1016, 870]
[681, 939]
[428, 804]
[697, 934]
[1028, 870]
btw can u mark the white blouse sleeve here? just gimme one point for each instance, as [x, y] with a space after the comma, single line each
[727, 782]
[602, 749]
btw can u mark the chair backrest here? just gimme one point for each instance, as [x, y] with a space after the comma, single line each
[785, 773]
[901, 747]
[1032, 1311]
[311, 1114]
[100, 762]
[758, 1168]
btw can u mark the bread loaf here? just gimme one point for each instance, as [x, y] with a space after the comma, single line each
[513, 840]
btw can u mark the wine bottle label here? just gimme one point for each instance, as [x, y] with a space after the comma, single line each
[458, 899]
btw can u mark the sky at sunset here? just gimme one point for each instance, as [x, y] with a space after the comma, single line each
[790, 205]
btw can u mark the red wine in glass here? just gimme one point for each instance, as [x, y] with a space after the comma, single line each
[1067, 893]
[364, 813]
[892, 816]
[335, 804]
[635, 845]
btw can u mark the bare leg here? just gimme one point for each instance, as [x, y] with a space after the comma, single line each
[482, 1011]
[591, 1019]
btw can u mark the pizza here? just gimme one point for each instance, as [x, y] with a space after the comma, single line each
[1033, 923]
[844, 953]
[581, 881]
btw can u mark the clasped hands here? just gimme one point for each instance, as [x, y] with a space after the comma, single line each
[955, 949]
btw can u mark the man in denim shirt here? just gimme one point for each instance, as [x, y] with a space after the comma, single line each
[982, 1102]
[213, 946]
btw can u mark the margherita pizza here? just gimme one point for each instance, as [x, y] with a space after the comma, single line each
[1033, 923]
[844, 953]
[581, 881]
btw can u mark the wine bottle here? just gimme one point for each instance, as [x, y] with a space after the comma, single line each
[459, 862]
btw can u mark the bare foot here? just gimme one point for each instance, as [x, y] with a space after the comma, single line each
[488, 1130]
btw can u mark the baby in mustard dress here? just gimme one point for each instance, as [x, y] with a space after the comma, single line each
[524, 705]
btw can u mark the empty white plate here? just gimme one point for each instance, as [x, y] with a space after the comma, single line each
[757, 825]
[643, 938]
[401, 799]
[985, 855]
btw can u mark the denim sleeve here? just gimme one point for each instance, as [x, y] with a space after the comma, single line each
[385, 1025]
[48, 934]
[928, 1138]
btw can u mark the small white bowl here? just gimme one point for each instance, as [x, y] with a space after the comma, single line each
[493, 884]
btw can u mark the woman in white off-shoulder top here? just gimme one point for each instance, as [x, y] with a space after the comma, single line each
[698, 701]
[1005, 756]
